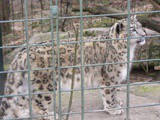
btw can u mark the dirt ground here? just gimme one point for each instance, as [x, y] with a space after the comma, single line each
[93, 101]
[140, 95]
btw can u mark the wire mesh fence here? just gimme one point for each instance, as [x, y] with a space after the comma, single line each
[29, 17]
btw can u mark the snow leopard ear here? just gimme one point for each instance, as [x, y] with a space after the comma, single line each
[119, 27]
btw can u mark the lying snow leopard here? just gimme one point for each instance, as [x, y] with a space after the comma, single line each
[94, 52]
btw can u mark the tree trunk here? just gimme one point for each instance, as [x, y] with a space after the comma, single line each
[157, 1]
[4, 15]
[155, 4]
[150, 23]
[145, 21]
[42, 7]
[66, 10]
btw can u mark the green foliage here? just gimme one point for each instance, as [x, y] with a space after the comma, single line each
[6, 67]
[106, 2]
[148, 89]
[89, 33]
[104, 23]
[35, 25]
[43, 24]
[143, 15]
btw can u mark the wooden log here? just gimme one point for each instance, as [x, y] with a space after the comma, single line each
[145, 21]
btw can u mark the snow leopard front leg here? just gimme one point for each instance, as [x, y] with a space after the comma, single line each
[42, 104]
[111, 103]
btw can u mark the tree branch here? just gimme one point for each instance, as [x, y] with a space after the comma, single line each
[73, 71]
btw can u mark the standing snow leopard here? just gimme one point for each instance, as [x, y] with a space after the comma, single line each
[94, 52]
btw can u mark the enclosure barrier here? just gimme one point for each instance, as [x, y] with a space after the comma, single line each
[54, 19]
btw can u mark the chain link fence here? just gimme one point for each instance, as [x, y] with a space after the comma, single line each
[29, 17]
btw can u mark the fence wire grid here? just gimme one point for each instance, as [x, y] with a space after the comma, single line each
[53, 25]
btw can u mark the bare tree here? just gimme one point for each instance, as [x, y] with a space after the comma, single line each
[42, 7]
[4, 14]
[64, 12]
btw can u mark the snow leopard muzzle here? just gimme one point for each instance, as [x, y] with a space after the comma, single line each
[141, 41]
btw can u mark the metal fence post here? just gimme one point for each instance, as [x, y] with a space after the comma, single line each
[1, 66]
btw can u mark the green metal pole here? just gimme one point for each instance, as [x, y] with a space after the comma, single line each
[128, 59]
[1, 66]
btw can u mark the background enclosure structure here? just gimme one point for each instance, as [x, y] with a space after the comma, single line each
[41, 17]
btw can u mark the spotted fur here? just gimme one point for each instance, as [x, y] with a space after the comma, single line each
[114, 51]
